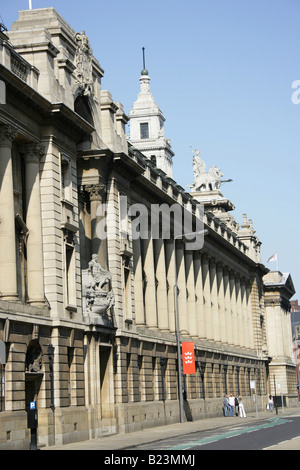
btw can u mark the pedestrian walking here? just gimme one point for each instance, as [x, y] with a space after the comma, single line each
[236, 404]
[271, 403]
[242, 408]
[225, 404]
[231, 404]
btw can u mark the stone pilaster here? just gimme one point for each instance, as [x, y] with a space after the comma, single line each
[170, 272]
[138, 283]
[207, 298]
[221, 297]
[150, 284]
[8, 274]
[245, 313]
[181, 285]
[240, 313]
[214, 301]
[249, 314]
[228, 314]
[161, 291]
[233, 301]
[199, 295]
[191, 299]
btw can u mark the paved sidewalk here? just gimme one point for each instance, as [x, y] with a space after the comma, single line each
[152, 435]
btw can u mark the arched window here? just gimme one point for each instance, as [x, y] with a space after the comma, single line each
[81, 107]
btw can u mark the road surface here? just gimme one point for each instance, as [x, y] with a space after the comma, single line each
[276, 433]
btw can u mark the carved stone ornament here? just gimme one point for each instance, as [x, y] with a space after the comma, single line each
[205, 181]
[84, 64]
[97, 301]
[95, 191]
[33, 361]
[32, 152]
[7, 134]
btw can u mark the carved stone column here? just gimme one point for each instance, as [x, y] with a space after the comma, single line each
[8, 269]
[35, 274]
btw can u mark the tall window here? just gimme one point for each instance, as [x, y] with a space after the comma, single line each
[70, 351]
[144, 128]
[66, 178]
[70, 270]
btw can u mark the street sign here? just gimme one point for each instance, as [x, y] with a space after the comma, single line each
[252, 384]
[32, 405]
[188, 358]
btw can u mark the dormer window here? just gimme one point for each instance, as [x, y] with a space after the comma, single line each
[144, 130]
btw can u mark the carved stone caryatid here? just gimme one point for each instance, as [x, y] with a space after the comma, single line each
[8, 274]
[96, 194]
[84, 64]
[32, 152]
[96, 300]
[205, 181]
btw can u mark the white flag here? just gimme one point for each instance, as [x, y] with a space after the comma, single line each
[272, 258]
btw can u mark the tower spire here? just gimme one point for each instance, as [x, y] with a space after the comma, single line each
[144, 71]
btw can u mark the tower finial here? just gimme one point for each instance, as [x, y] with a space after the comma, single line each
[144, 71]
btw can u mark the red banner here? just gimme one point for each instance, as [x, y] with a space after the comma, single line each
[188, 358]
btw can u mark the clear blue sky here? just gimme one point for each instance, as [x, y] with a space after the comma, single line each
[222, 73]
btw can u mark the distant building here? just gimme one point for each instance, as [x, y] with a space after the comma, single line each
[295, 319]
[87, 304]
[295, 315]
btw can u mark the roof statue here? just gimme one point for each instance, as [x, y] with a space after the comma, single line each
[84, 63]
[203, 180]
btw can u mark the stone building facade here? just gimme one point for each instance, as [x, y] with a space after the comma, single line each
[87, 313]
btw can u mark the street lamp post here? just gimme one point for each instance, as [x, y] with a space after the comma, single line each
[203, 232]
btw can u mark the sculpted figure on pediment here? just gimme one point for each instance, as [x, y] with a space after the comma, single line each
[205, 180]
